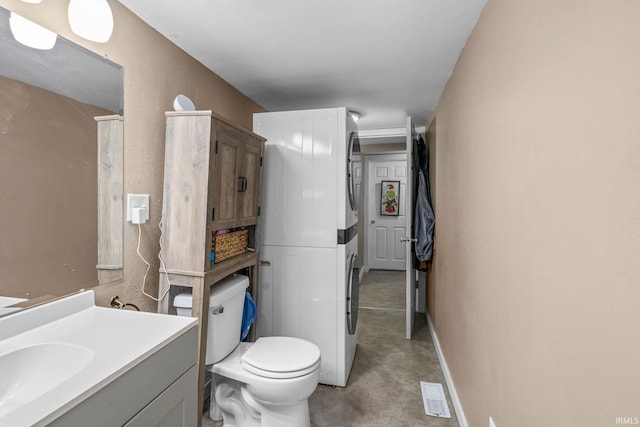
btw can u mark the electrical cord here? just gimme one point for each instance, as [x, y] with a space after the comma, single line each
[164, 267]
[144, 279]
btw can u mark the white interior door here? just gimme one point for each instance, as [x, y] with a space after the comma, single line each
[357, 176]
[385, 250]
[408, 237]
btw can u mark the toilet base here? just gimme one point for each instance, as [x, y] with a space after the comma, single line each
[235, 406]
[294, 415]
[245, 399]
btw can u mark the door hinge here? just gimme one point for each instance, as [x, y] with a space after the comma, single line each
[216, 146]
[260, 161]
[213, 214]
[258, 210]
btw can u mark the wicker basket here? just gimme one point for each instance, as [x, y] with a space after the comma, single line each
[229, 245]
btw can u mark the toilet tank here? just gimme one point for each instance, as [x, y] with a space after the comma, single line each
[226, 304]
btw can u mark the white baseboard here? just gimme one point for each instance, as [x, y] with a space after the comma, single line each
[457, 406]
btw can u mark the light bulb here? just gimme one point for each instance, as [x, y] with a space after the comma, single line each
[91, 19]
[31, 34]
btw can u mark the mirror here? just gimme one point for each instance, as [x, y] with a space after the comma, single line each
[60, 169]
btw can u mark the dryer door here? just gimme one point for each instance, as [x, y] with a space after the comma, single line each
[353, 294]
[353, 150]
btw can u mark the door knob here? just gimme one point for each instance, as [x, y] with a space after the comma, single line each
[373, 221]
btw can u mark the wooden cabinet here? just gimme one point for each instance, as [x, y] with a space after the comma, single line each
[110, 198]
[211, 182]
[238, 158]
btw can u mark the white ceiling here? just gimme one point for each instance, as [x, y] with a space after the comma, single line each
[387, 58]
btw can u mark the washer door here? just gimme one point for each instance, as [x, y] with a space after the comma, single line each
[353, 294]
[354, 148]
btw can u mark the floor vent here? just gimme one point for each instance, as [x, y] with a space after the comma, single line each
[435, 402]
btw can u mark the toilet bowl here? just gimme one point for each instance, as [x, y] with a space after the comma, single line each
[265, 383]
[275, 383]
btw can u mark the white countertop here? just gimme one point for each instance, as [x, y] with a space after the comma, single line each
[119, 339]
[6, 302]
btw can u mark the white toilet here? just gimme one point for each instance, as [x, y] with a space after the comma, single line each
[265, 383]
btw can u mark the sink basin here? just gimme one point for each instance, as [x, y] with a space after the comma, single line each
[59, 358]
[31, 371]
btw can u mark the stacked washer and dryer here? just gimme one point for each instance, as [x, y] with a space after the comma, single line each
[309, 275]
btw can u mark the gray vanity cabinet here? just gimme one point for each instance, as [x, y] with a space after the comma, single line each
[159, 391]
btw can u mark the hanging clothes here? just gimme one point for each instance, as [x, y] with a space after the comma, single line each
[424, 217]
[425, 221]
[421, 160]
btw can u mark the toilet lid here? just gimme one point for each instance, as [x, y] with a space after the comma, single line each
[281, 357]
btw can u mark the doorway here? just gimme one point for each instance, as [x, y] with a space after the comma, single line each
[388, 233]
[384, 231]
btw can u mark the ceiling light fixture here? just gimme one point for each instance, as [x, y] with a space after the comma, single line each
[32, 1]
[31, 34]
[91, 19]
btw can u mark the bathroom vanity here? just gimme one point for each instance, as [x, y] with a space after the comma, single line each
[70, 363]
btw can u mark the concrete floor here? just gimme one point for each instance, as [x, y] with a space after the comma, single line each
[384, 386]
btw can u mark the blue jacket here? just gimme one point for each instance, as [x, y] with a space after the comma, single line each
[424, 221]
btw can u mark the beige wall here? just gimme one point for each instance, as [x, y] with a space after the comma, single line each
[535, 292]
[155, 71]
[48, 180]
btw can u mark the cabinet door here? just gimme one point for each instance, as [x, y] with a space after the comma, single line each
[187, 202]
[250, 182]
[177, 406]
[226, 180]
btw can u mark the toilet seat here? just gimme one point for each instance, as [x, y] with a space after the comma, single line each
[281, 357]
